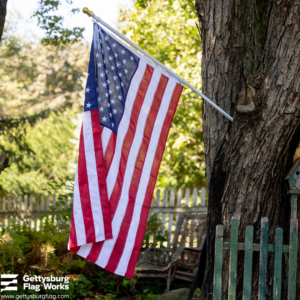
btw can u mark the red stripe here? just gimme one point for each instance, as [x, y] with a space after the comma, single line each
[153, 176]
[85, 193]
[73, 238]
[110, 151]
[116, 193]
[100, 172]
[136, 177]
[95, 251]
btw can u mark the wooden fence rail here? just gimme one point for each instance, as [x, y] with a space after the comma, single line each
[27, 210]
[264, 248]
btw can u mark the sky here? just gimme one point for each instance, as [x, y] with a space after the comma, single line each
[20, 11]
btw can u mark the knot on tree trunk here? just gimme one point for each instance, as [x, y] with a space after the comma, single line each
[250, 106]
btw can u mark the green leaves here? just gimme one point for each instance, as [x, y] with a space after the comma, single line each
[56, 34]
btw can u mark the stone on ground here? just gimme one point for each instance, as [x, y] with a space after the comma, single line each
[180, 294]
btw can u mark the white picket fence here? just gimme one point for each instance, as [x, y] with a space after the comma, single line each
[170, 204]
[27, 210]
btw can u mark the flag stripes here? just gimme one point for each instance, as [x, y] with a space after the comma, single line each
[132, 160]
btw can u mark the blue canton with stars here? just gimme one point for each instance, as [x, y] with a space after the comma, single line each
[111, 69]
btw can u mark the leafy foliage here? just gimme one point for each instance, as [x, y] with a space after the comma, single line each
[166, 30]
[56, 33]
[41, 93]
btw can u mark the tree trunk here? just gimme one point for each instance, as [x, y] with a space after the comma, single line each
[253, 42]
[2, 15]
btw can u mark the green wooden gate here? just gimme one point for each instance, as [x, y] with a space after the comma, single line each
[264, 248]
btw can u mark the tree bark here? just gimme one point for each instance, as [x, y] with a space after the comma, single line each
[2, 15]
[247, 160]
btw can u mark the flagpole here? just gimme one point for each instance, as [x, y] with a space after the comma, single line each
[183, 81]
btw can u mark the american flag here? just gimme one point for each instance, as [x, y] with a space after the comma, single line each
[128, 110]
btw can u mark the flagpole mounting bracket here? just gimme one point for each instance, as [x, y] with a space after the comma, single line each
[87, 11]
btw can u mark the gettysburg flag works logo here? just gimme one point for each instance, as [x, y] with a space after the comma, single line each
[9, 281]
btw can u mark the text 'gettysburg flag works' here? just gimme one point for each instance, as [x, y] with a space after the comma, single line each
[129, 107]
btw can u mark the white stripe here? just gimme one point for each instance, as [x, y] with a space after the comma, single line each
[133, 153]
[78, 216]
[123, 126]
[85, 250]
[92, 176]
[105, 137]
[145, 176]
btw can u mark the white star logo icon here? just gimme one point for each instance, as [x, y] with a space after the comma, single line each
[88, 105]
[104, 119]
[101, 108]
[99, 65]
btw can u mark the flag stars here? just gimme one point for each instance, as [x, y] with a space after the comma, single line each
[115, 111]
[104, 84]
[104, 119]
[120, 74]
[122, 84]
[110, 57]
[110, 91]
[99, 65]
[126, 71]
[97, 54]
[87, 90]
[106, 71]
[108, 48]
[106, 38]
[108, 104]
[124, 61]
[116, 55]
[112, 101]
[112, 67]
[115, 77]
[102, 74]
[108, 81]
[120, 97]
[88, 105]
[123, 51]
[114, 45]
[112, 124]
[110, 114]
[101, 108]
[99, 99]
[106, 95]
[117, 87]
[118, 64]
[131, 57]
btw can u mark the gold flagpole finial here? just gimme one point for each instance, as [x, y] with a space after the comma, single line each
[87, 11]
